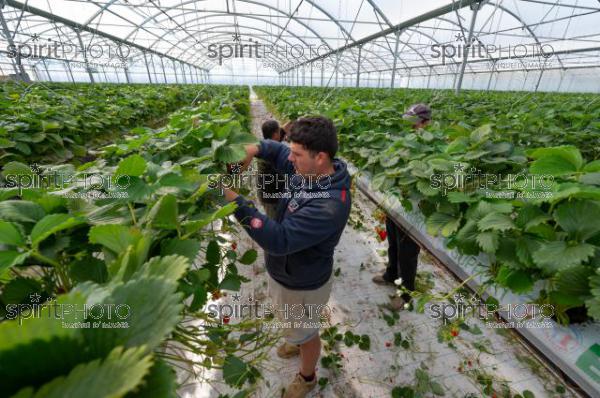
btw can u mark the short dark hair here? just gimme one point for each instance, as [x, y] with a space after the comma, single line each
[316, 134]
[269, 128]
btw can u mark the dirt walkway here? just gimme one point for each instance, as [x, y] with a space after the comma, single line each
[403, 352]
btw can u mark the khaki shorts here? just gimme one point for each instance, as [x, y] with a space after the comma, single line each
[298, 312]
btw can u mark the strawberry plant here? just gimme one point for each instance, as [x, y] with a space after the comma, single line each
[538, 240]
[155, 251]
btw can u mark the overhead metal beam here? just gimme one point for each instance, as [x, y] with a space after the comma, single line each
[396, 28]
[17, 66]
[77, 26]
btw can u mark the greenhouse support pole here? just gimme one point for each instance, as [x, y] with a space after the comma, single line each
[147, 67]
[358, 66]
[336, 69]
[162, 65]
[153, 68]
[463, 66]
[525, 81]
[104, 73]
[395, 59]
[17, 66]
[175, 71]
[126, 70]
[183, 72]
[491, 76]
[85, 59]
[408, 79]
[322, 71]
[311, 74]
[37, 75]
[117, 75]
[537, 85]
[70, 71]
[429, 77]
[303, 76]
[46, 68]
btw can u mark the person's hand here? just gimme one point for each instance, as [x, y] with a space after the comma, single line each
[229, 194]
[287, 127]
[251, 152]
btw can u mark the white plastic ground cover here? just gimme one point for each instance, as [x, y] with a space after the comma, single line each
[574, 349]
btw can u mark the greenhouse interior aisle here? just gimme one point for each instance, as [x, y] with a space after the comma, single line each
[465, 365]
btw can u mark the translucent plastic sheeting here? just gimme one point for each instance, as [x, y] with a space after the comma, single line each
[509, 40]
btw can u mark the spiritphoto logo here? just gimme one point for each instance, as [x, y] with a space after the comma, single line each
[302, 185]
[38, 49]
[520, 185]
[252, 48]
[93, 185]
[309, 315]
[521, 315]
[455, 52]
[73, 316]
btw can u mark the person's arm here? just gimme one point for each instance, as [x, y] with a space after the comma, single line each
[306, 227]
[277, 154]
[271, 151]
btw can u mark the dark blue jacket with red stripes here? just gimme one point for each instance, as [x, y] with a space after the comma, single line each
[300, 242]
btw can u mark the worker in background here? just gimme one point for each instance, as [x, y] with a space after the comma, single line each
[403, 251]
[270, 187]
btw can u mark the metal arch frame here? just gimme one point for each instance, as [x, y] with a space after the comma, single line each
[377, 10]
[409, 23]
[241, 26]
[324, 12]
[79, 27]
[524, 25]
[153, 18]
[224, 14]
[258, 19]
[415, 28]
[492, 4]
[133, 24]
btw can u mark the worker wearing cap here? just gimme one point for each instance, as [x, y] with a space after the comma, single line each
[403, 251]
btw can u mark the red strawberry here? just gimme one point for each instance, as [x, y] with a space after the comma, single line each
[234, 245]
[226, 320]
[454, 332]
[216, 294]
[382, 235]
[469, 363]
[388, 344]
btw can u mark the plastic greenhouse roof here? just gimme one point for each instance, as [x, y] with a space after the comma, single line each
[370, 32]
